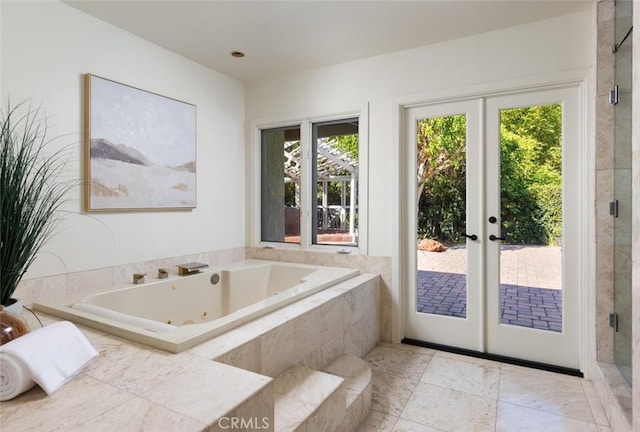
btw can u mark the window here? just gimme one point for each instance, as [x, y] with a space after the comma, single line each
[335, 182]
[310, 183]
[280, 197]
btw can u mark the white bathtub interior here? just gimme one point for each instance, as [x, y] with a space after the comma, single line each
[177, 313]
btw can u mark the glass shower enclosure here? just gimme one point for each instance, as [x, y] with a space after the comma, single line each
[621, 205]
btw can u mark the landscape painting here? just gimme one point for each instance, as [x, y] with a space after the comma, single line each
[140, 149]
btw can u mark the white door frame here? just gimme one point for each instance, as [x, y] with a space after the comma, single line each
[586, 302]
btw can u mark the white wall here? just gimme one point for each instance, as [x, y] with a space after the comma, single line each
[531, 50]
[46, 48]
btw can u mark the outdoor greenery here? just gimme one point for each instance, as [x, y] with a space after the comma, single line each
[347, 144]
[31, 192]
[531, 179]
[441, 171]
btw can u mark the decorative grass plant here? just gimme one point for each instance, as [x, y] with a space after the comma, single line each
[31, 192]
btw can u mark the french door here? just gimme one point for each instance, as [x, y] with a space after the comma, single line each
[492, 235]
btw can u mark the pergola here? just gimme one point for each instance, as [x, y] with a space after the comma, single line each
[332, 166]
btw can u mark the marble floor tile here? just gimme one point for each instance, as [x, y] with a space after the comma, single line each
[390, 394]
[461, 393]
[514, 418]
[552, 393]
[542, 374]
[450, 410]
[408, 426]
[475, 376]
[599, 416]
[378, 422]
[407, 364]
[377, 358]
[409, 348]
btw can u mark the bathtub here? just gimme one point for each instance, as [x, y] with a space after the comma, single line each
[177, 313]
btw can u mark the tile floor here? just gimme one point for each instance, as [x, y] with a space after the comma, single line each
[423, 390]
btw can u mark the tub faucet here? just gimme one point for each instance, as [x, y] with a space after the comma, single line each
[138, 278]
[190, 268]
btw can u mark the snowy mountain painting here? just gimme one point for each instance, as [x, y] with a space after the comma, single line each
[141, 149]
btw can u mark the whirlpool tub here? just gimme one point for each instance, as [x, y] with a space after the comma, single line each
[177, 313]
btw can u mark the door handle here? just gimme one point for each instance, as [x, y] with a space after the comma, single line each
[472, 236]
[494, 238]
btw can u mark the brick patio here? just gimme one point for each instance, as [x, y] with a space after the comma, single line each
[530, 289]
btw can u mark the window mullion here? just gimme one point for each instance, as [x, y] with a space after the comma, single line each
[305, 184]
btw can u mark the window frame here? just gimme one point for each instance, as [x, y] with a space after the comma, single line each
[305, 123]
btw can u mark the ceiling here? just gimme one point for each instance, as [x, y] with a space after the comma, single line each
[280, 37]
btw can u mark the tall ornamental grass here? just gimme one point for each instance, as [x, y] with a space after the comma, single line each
[31, 192]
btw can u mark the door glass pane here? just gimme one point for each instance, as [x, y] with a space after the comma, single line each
[441, 195]
[531, 219]
[335, 180]
[622, 256]
[280, 185]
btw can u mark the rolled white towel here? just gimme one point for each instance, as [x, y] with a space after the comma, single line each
[49, 356]
[15, 378]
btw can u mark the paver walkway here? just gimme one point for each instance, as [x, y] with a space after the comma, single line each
[530, 288]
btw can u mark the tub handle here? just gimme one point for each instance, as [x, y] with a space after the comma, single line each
[344, 251]
[138, 278]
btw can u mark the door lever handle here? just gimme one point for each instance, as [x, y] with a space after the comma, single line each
[472, 236]
[494, 238]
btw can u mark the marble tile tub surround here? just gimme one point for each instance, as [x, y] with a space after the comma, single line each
[423, 390]
[136, 387]
[131, 387]
[380, 265]
[72, 287]
[313, 332]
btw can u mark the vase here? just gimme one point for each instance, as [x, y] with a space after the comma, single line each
[11, 327]
[15, 307]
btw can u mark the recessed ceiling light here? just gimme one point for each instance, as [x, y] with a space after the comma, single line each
[237, 54]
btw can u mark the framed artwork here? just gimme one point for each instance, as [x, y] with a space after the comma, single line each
[140, 149]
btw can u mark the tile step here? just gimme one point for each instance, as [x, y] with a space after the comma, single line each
[336, 399]
[355, 371]
[359, 389]
[308, 400]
